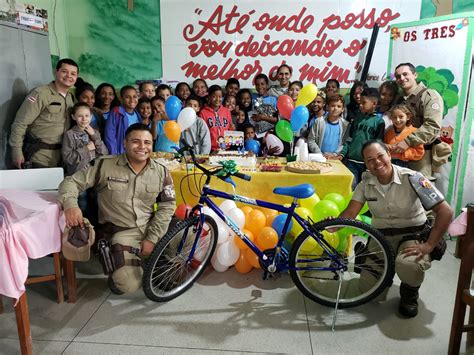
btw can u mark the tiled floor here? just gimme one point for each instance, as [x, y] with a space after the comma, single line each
[227, 313]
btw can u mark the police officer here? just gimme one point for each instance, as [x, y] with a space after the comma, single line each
[38, 128]
[427, 105]
[127, 185]
[397, 198]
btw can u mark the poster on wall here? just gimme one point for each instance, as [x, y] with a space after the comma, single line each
[441, 52]
[319, 40]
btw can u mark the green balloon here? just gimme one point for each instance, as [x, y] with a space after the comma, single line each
[284, 131]
[366, 219]
[364, 208]
[338, 199]
[324, 209]
[342, 242]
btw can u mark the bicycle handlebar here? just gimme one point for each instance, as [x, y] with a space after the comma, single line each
[187, 148]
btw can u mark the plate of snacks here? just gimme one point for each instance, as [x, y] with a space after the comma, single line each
[309, 167]
[274, 166]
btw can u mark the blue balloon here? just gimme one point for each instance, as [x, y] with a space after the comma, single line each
[252, 145]
[279, 222]
[173, 107]
[299, 117]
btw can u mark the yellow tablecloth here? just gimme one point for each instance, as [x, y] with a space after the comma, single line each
[262, 184]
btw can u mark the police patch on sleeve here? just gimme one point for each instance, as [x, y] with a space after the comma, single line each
[435, 106]
[168, 193]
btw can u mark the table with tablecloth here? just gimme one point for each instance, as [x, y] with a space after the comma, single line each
[262, 184]
[31, 227]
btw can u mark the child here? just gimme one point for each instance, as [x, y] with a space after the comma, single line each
[353, 108]
[366, 126]
[294, 89]
[230, 102]
[216, 116]
[85, 93]
[200, 87]
[146, 89]
[329, 132]
[182, 91]
[82, 143]
[120, 118]
[388, 95]
[264, 104]
[249, 132]
[232, 87]
[105, 99]
[402, 119]
[163, 91]
[244, 101]
[162, 143]
[240, 119]
[332, 87]
[317, 109]
[197, 136]
[145, 111]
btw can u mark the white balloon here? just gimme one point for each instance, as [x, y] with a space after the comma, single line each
[274, 142]
[227, 205]
[202, 248]
[216, 265]
[186, 118]
[237, 216]
[207, 211]
[228, 253]
[222, 232]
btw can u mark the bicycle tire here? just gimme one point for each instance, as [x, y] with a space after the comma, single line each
[370, 268]
[166, 274]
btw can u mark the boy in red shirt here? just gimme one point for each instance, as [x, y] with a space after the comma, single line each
[216, 116]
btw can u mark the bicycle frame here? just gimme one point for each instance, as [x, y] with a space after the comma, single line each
[207, 192]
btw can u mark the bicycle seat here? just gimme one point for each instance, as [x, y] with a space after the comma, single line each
[298, 191]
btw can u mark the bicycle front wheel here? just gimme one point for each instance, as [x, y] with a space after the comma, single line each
[359, 271]
[170, 271]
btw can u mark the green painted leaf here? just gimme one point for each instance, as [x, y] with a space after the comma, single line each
[450, 98]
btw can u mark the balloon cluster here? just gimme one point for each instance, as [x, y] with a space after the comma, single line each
[179, 118]
[263, 226]
[296, 114]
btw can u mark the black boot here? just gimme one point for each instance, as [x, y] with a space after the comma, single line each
[113, 287]
[408, 301]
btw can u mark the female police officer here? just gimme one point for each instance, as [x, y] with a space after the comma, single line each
[397, 198]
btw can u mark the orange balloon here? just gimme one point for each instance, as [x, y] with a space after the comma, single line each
[246, 210]
[240, 244]
[269, 216]
[172, 131]
[252, 258]
[242, 265]
[267, 238]
[255, 221]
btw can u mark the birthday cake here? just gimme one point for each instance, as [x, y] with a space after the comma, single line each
[247, 159]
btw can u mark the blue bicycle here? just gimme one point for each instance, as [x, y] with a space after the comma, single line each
[346, 278]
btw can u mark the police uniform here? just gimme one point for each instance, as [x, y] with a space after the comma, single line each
[397, 209]
[45, 116]
[126, 200]
[427, 106]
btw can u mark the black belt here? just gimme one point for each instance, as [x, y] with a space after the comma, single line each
[47, 146]
[406, 230]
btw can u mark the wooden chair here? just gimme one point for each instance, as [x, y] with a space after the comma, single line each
[41, 180]
[464, 295]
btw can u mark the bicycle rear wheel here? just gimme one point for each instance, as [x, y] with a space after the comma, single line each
[168, 273]
[362, 270]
